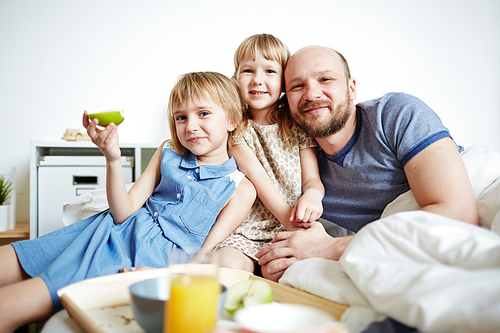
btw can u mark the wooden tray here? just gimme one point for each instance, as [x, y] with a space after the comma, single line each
[103, 304]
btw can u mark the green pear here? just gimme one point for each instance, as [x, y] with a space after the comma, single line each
[247, 292]
[107, 117]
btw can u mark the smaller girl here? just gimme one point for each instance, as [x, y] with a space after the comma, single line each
[277, 157]
[190, 195]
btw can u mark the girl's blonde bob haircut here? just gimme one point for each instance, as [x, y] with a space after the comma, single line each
[205, 85]
[272, 49]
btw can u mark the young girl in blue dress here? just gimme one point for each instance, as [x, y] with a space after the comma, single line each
[190, 195]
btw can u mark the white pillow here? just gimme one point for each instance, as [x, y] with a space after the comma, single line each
[86, 205]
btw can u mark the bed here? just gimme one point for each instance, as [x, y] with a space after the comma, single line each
[425, 271]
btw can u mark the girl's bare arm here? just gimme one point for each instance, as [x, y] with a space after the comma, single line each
[122, 204]
[140, 191]
[267, 192]
[309, 206]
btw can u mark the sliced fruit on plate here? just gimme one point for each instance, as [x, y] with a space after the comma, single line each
[246, 293]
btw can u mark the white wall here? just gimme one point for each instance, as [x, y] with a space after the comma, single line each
[60, 57]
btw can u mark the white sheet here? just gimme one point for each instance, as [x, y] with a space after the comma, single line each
[428, 272]
[424, 270]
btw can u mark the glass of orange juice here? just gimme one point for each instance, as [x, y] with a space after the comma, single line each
[194, 294]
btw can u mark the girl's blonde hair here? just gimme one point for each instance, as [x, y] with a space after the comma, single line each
[272, 49]
[205, 85]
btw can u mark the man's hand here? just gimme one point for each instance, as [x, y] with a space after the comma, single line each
[292, 246]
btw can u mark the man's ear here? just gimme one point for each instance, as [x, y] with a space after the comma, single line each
[352, 89]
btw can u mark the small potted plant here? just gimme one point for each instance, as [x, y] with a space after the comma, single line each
[5, 190]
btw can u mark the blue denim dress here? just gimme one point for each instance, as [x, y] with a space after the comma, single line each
[180, 213]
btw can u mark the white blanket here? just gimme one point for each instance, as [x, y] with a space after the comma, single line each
[424, 270]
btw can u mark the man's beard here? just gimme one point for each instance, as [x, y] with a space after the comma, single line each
[337, 119]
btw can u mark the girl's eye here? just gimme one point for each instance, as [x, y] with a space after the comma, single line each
[204, 113]
[180, 118]
[246, 71]
[270, 71]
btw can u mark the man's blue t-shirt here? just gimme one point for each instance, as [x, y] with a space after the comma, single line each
[368, 173]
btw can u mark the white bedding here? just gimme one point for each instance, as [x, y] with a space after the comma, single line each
[424, 270]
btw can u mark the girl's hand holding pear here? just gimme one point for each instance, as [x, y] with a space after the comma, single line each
[106, 139]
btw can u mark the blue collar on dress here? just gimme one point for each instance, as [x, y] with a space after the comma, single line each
[189, 161]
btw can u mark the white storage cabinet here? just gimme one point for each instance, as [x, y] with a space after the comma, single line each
[62, 179]
[62, 171]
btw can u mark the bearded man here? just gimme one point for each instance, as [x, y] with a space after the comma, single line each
[368, 155]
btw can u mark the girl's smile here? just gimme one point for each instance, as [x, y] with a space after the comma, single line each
[256, 92]
[196, 139]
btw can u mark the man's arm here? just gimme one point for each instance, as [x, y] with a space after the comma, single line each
[440, 183]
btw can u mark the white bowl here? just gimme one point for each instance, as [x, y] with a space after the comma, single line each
[285, 318]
